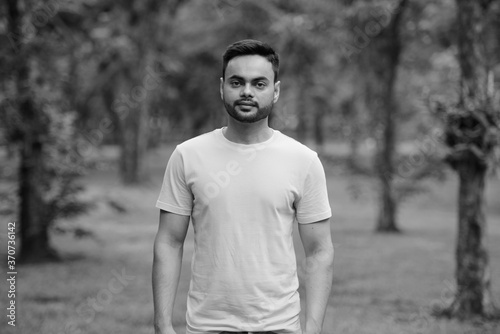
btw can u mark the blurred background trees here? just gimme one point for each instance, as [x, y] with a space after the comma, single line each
[472, 133]
[377, 28]
[375, 78]
[38, 119]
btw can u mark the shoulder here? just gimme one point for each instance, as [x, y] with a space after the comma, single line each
[295, 148]
[197, 143]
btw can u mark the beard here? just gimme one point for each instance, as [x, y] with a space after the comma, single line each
[256, 113]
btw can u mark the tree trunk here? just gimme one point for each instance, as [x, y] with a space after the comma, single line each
[386, 221]
[379, 59]
[471, 254]
[35, 245]
[351, 114]
[467, 130]
[134, 145]
[32, 208]
[386, 47]
[129, 116]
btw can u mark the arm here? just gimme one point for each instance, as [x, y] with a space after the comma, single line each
[168, 248]
[318, 248]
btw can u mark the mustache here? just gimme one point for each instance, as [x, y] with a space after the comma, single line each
[246, 102]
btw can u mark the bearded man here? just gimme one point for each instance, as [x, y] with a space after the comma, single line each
[243, 186]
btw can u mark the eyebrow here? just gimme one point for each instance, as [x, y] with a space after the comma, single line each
[253, 80]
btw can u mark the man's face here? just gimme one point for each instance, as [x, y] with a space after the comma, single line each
[248, 89]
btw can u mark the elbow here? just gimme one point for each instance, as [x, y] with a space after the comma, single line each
[323, 251]
[320, 260]
[164, 251]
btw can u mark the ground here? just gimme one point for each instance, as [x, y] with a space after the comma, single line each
[383, 284]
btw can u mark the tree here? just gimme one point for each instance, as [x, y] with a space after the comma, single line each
[132, 54]
[388, 46]
[377, 49]
[133, 126]
[297, 33]
[472, 133]
[42, 131]
[34, 232]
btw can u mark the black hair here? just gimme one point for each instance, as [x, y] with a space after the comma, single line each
[249, 47]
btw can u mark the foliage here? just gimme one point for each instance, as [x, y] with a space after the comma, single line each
[61, 193]
[45, 48]
[86, 56]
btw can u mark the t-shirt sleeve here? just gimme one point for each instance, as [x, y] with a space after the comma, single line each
[313, 204]
[175, 195]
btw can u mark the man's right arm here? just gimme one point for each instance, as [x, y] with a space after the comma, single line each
[168, 249]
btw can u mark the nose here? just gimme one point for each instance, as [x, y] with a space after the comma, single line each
[246, 91]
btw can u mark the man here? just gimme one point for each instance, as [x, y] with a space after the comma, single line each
[243, 186]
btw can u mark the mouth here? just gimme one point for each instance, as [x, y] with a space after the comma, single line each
[246, 104]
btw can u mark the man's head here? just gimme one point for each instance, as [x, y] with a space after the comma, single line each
[249, 84]
[248, 47]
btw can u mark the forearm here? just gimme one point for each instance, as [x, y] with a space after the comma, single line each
[166, 272]
[318, 283]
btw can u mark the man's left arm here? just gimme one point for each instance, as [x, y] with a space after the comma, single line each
[318, 247]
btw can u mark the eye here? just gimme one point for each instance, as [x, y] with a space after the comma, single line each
[235, 83]
[261, 84]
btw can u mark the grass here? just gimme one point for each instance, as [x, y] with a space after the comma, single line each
[383, 284]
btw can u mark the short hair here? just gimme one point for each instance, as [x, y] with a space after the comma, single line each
[248, 47]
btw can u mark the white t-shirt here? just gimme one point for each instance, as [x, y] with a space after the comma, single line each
[243, 200]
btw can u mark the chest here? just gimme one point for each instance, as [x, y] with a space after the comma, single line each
[263, 180]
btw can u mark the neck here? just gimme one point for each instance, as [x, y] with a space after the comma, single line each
[247, 133]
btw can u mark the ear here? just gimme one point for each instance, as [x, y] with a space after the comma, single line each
[222, 88]
[276, 91]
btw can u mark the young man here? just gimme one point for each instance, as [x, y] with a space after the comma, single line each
[243, 186]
